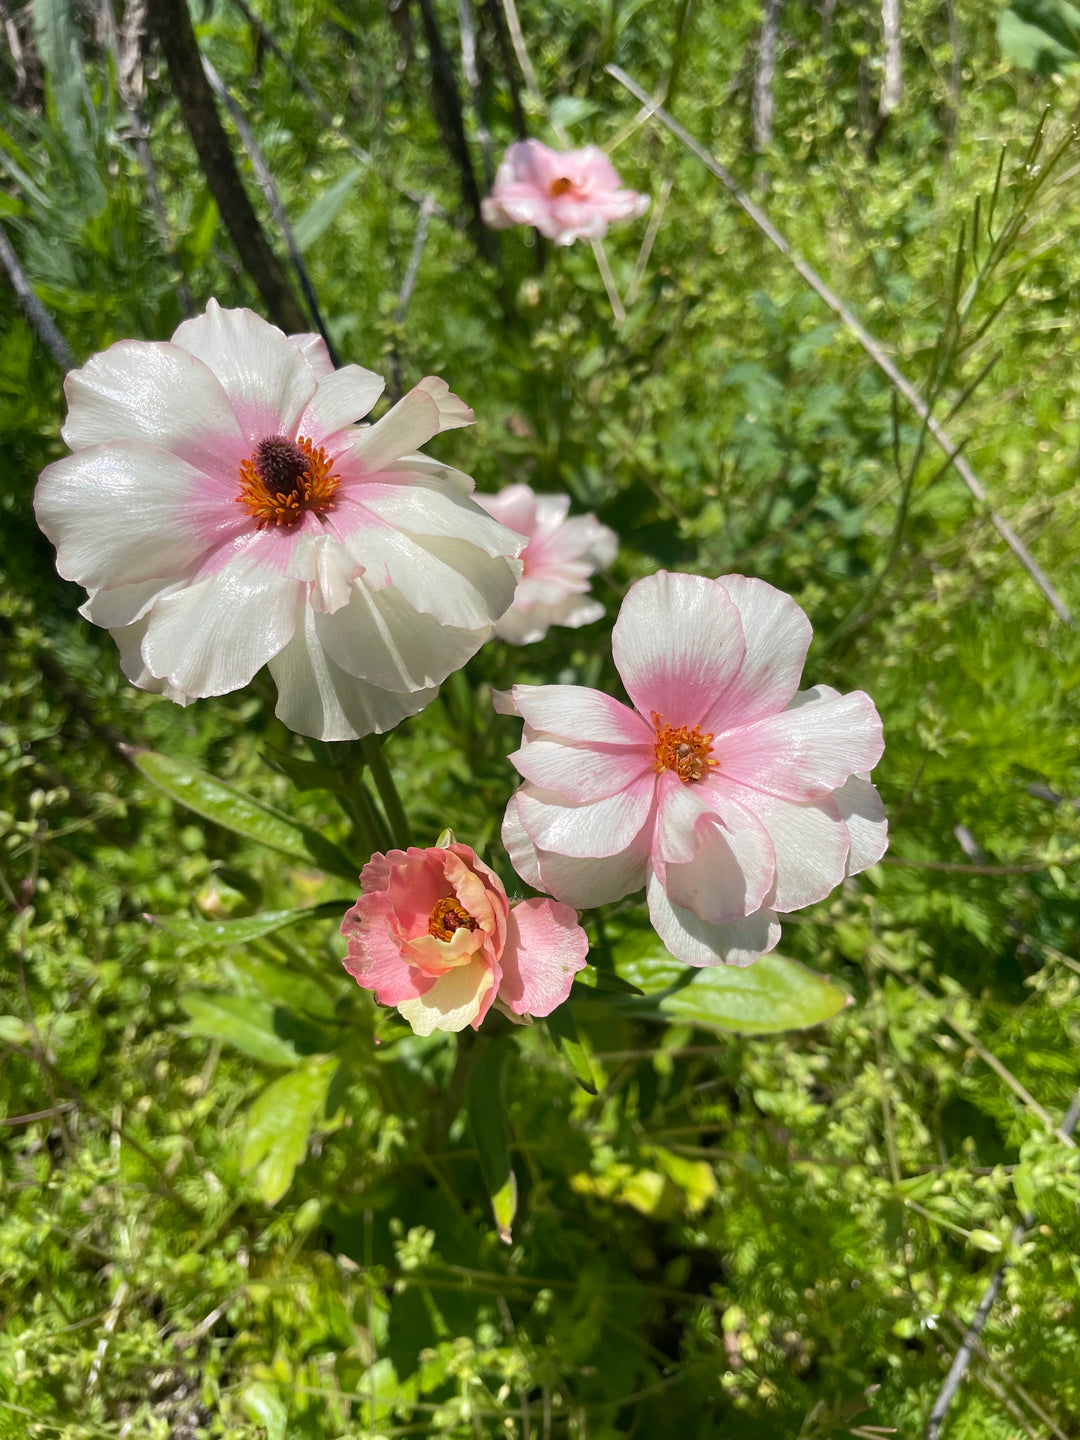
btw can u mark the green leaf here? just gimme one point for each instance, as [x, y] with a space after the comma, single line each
[195, 934]
[279, 1123]
[244, 1021]
[568, 1042]
[238, 812]
[266, 1408]
[485, 1102]
[322, 212]
[772, 995]
[1040, 35]
[985, 1240]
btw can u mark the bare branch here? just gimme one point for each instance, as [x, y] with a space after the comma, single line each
[761, 104]
[33, 309]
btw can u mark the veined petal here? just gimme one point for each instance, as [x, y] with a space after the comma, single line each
[679, 810]
[427, 409]
[731, 873]
[318, 698]
[343, 397]
[129, 639]
[602, 828]
[677, 644]
[214, 635]
[268, 381]
[382, 639]
[313, 348]
[123, 605]
[461, 997]
[319, 557]
[806, 751]
[126, 512]
[581, 773]
[864, 815]
[374, 958]
[545, 948]
[578, 882]
[428, 509]
[777, 635]
[698, 943]
[811, 845]
[158, 393]
[580, 714]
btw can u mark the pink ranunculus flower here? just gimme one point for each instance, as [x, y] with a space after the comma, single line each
[225, 512]
[571, 196]
[561, 555]
[731, 797]
[434, 935]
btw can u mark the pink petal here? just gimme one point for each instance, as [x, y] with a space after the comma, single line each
[810, 842]
[696, 942]
[579, 772]
[514, 507]
[374, 957]
[580, 714]
[807, 751]
[578, 882]
[159, 393]
[545, 948]
[777, 635]
[864, 815]
[586, 831]
[677, 644]
[267, 380]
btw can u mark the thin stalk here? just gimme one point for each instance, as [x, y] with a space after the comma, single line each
[400, 832]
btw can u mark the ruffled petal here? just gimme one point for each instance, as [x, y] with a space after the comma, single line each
[313, 348]
[545, 948]
[602, 828]
[732, 870]
[578, 882]
[374, 958]
[677, 644]
[318, 698]
[696, 942]
[864, 815]
[461, 997]
[427, 409]
[581, 773]
[129, 641]
[810, 842]
[808, 750]
[777, 635]
[268, 381]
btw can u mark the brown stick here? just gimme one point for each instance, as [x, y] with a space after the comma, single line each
[172, 24]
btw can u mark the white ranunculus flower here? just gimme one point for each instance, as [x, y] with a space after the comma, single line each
[225, 512]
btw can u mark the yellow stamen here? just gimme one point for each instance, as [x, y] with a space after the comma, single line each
[687, 752]
[283, 479]
[448, 916]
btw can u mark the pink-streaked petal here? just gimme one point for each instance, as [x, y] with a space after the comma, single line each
[810, 842]
[526, 626]
[732, 869]
[268, 381]
[807, 751]
[605, 827]
[374, 957]
[313, 348]
[382, 639]
[577, 882]
[212, 637]
[438, 512]
[696, 942]
[581, 773]
[580, 714]
[461, 997]
[777, 635]
[123, 513]
[515, 507]
[318, 698]
[864, 815]
[677, 644]
[343, 397]
[427, 409]
[545, 948]
[158, 393]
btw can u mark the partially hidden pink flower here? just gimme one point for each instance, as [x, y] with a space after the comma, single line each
[570, 196]
[434, 935]
[225, 512]
[562, 553]
[728, 794]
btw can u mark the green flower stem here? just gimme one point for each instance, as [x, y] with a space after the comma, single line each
[372, 749]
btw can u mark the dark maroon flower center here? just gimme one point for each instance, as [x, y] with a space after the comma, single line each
[281, 465]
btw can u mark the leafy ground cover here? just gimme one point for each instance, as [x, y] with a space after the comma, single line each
[237, 1200]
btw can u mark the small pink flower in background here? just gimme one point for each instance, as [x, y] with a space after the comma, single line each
[571, 196]
[225, 512]
[727, 794]
[434, 935]
[560, 557]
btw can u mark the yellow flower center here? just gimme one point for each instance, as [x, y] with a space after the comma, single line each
[281, 480]
[686, 751]
[448, 916]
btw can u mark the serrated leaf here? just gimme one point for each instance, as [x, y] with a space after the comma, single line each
[243, 1021]
[279, 1123]
[235, 811]
[485, 1103]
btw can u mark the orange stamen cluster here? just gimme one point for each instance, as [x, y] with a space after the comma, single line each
[281, 480]
[686, 751]
[560, 186]
[447, 917]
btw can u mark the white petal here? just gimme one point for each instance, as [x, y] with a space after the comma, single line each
[731, 873]
[313, 348]
[864, 815]
[343, 397]
[677, 645]
[602, 828]
[577, 882]
[213, 636]
[806, 751]
[454, 1001]
[777, 635]
[426, 410]
[121, 605]
[152, 391]
[810, 842]
[433, 510]
[578, 713]
[696, 942]
[318, 698]
[382, 639]
[267, 380]
[319, 557]
[581, 773]
[122, 513]
[129, 640]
